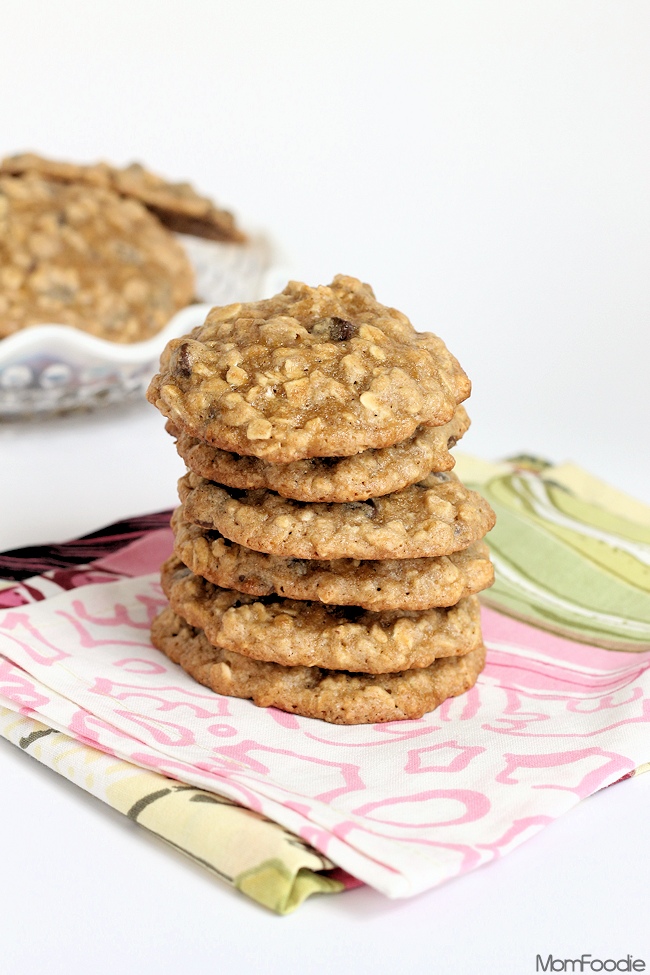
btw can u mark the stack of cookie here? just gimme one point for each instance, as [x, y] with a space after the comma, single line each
[326, 560]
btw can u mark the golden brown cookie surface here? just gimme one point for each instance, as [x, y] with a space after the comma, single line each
[412, 584]
[297, 633]
[177, 205]
[436, 516]
[82, 256]
[333, 696]
[311, 372]
[370, 473]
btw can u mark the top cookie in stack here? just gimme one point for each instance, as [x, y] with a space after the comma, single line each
[316, 426]
[312, 372]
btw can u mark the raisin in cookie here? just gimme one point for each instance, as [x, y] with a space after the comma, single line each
[330, 479]
[412, 584]
[436, 516]
[312, 372]
[330, 695]
[82, 256]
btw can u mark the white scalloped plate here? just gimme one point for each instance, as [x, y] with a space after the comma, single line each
[48, 369]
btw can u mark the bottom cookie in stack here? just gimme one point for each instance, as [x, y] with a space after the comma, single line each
[339, 697]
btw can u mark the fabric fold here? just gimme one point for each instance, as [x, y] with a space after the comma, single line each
[238, 846]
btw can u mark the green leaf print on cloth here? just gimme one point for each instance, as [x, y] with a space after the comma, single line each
[571, 554]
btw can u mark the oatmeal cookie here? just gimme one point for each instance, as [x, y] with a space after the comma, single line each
[177, 205]
[82, 256]
[312, 372]
[412, 584]
[369, 474]
[437, 516]
[292, 632]
[334, 696]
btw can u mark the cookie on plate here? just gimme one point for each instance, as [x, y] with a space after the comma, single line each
[412, 584]
[370, 473]
[83, 256]
[436, 516]
[311, 372]
[330, 695]
[177, 205]
[302, 633]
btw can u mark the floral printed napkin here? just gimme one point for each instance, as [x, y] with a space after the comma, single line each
[555, 716]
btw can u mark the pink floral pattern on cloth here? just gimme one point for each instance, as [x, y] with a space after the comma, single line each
[402, 806]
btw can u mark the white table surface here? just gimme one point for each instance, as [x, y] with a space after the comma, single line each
[85, 890]
[485, 167]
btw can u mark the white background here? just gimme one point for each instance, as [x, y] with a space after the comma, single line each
[484, 165]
